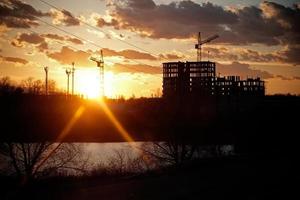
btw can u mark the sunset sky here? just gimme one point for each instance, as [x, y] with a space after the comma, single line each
[257, 38]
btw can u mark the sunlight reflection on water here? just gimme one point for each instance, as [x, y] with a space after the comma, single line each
[102, 152]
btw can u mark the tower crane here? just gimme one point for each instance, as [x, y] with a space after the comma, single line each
[100, 64]
[200, 43]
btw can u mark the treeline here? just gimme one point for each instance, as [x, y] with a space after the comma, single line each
[26, 86]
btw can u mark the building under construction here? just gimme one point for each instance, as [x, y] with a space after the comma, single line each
[199, 79]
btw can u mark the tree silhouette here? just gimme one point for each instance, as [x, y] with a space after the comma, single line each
[7, 87]
[169, 152]
[33, 160]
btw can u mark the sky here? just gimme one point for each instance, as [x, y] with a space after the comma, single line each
[257, 39]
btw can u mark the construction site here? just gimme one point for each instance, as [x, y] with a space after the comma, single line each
[199, 78]
[178, 112]
[184, 79]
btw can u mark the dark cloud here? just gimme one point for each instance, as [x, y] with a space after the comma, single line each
[16, 14]
[42, 46]
[31, 38]
[286, 16]
[296, 77]
[240, 54]
[242, 69]
[14, 60]
[269, 24]
[64, 17]
[74, 40]
[253, 27]
[175, 20]
[53, 36]
[291, 54]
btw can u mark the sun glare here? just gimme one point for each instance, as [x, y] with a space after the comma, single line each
[88, 83]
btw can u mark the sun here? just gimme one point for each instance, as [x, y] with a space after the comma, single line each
[88, 83]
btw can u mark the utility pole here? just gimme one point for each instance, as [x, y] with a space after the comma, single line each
[68, 72]
[46, 80]
[73, 71]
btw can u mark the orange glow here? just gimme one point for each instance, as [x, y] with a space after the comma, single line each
[63, 134]
[115, 122]
[124, 133]
[71, 123]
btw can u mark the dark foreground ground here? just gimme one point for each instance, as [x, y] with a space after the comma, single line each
[223, 178]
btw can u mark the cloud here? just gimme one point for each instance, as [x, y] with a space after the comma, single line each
[291, 54]
[31, 38]
[16, 14]
[66, 56]
[239, 54]
[269, 24]
[135, 68]
[14, 60]
[171, 56]
[242, 69]
[81, 58]
[97, 33]
[42, 46]
[133, 54]
[175, 20]
[288, 54]
[40, 41]
[62, 38]
[296, 77]
[128, 54]
[64, 17]
[284, 78]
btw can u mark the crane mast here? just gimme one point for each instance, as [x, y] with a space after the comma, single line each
[200, 43]
[100, 65]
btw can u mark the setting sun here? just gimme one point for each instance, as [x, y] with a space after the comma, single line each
[88, 83]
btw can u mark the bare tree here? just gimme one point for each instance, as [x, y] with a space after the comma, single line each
[169, 152]
[33, 86]
[32, 160]
[124, 161]
[52, 86]
[7, 86]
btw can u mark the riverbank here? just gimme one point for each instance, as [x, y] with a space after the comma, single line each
[213, 178]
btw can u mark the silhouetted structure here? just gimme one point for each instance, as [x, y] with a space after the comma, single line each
[46, 80]
[100, 64]
[68, 72]
[199, 79]
[73, 80]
